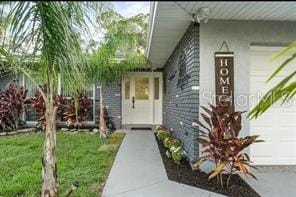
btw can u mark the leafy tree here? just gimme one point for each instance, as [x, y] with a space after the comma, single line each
[285, 89]
[44, 39]
[120, 52]
[3, 18]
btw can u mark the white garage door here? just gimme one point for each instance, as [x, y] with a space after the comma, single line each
[277, 126]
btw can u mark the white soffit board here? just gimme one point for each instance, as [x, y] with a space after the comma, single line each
[170, 21]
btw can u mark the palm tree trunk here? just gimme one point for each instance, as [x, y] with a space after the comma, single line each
[49, 169]
[76, 112]
[102, 127]
[17, 123]
[15, 119]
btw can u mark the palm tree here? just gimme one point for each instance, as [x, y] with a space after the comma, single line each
[48, 33]
[285, 89]
[119, 53]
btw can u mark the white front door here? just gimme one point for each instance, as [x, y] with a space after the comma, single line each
[277, 126]
[142, 98]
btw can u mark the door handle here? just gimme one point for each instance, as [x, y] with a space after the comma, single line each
[133, 101]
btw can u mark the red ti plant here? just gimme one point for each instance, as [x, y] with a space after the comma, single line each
[38, 103]
[76, 110]
[5, 122]
[222, 144]
[12, 106]
[16, 96]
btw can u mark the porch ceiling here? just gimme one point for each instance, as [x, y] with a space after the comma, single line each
[168, 21]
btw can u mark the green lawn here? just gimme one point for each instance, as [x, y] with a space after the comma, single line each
[82, 157]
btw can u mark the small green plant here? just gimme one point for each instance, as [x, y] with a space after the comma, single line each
[162, 134]
[177, 153]
[160, 127]
[170, 142]
[174, 146]
[175, 149]
[168, 154]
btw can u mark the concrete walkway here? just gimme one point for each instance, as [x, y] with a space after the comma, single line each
[274, 181]
[138, 171]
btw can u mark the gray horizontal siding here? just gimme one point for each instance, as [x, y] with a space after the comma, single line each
[181, 105]
[112, 101]
[7, 79]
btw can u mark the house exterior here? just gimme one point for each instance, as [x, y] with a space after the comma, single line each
[185, 53]
[253, 32]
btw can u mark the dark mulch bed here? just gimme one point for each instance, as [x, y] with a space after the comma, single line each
[183, 174]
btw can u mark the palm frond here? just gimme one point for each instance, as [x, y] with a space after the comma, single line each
[282, 66]
[45, 37]
[284, 89]
[289, 48]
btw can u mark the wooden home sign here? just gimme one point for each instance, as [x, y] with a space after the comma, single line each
[224, 79]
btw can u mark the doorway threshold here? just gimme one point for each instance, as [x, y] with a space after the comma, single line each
[139, 127]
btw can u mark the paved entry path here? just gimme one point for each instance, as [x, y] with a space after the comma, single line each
[138, 171]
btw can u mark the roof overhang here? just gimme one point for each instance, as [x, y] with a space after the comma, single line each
[170, 20]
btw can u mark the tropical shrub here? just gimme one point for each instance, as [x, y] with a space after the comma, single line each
[16, 96]
[76, 110]
[175, 149]
[177, 153]
[66, 108]
[12, 106]
[174, 146]
[222, 144]
[5, 121]
[3, 113]
[70, 112]
[170, 142]
[163, 133]
[37, 102]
